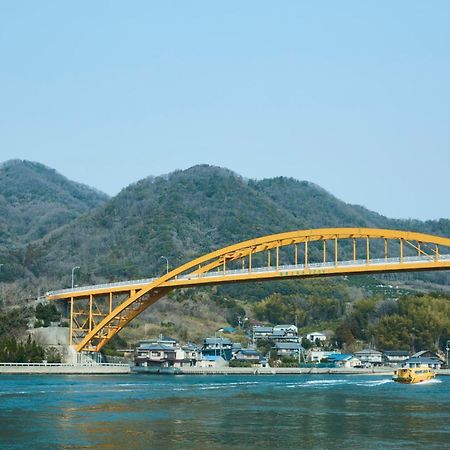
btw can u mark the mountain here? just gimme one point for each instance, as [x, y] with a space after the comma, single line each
[53, 224]
[35, 200]
[185, 214]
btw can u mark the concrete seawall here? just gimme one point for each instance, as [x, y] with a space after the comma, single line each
[386, 371]
[124, 369]
[282, 371]
[65, 369]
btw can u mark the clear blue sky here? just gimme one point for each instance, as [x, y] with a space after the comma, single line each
[352, 95]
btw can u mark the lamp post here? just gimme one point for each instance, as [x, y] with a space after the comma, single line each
[167, 263]
[73, 270]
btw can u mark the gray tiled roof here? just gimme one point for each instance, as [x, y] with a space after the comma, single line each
[422, 360]
[259, 329]
[156, 347]
[396, 353]
[223, 341]
[368, 351]
[287, 346]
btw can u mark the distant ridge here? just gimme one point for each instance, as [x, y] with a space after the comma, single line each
[48, 224]
[35, 200]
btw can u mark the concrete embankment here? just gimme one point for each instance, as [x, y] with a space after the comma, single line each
[283, 371]
[386, 371]
[65, 369]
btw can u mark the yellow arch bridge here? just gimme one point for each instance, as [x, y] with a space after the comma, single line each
[99, 312]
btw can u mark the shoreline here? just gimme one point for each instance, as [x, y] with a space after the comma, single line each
[125, 369]
[283, 371]
[64, 369]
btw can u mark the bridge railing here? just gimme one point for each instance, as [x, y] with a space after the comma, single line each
[130, 283]
[328, 264]
[271, 269]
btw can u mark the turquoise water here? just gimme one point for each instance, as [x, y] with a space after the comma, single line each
[297, 411]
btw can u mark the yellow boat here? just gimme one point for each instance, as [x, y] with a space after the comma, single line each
[413, 375]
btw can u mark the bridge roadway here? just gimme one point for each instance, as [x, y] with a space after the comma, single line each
[311, 269]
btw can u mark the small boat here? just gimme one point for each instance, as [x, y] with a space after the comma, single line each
[409, 375]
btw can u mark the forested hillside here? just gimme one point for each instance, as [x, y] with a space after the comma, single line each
[35, 200]
[181, 216]
[50, 224]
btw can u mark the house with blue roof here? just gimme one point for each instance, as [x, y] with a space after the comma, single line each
[217, 346]
[344, 360]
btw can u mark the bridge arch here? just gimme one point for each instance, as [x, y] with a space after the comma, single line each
[99, 312]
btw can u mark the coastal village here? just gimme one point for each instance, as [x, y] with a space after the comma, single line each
[277, 346]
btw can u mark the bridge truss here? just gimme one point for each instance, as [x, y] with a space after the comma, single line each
[99, 312]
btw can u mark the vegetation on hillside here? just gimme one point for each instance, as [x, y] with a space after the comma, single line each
[412, 322]
[13, 346]
[49, 225]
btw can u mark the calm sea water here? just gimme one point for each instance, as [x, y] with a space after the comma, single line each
[301, 411]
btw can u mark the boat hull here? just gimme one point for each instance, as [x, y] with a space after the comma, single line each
[413, 375]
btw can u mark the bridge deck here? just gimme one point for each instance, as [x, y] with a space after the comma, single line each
[310, 269]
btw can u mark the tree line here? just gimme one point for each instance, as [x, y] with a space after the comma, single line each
[411, 322]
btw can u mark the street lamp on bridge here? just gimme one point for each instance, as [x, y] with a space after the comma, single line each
[167, 263]
[73, 271]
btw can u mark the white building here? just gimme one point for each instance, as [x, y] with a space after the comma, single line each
[261, 332]
[316, 336]
[318, 355]
[369, 356]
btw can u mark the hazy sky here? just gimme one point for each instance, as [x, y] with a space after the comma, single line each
[352, 95]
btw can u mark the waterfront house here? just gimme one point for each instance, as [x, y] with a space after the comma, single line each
[217, 346]
[425, 357]
[163, 340]
[316, 356]
[433, 363]
[426, 354]
[343, 360]
[370, 357]
[188, 355]
[395, 356]
[251, 356]
[155, 355]
[212, 361]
